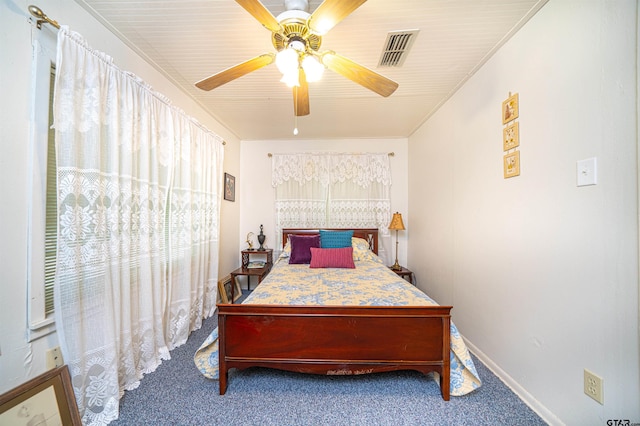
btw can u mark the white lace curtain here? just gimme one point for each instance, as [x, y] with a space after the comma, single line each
[139, 186]
[332, 190]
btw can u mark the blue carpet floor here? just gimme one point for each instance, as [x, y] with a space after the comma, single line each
[177, 394]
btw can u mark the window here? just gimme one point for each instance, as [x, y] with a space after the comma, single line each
[335, 190]
[51, 208]
[43, 197]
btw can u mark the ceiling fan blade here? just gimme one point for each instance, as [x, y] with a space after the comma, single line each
[330, 13]
[301, 96]
[261, 13]
[359, 74]
[237, 71]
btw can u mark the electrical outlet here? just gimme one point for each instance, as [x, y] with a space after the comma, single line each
[54, 358]
[593, 386]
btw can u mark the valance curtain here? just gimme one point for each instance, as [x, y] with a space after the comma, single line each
[139, 186]
[332, 190]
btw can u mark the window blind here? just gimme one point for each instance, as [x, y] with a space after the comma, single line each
[51, 224]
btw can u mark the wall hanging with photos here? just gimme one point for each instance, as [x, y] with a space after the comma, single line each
[511, 136]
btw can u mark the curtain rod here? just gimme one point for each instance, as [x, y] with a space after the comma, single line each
[42, 18]
[391, 154]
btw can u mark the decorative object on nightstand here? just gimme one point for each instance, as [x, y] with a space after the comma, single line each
[250, 241]
[261, 238]
[396, 225]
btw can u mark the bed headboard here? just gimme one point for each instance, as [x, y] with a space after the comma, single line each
[368, 234]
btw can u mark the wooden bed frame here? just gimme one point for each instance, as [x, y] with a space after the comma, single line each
[335, 340]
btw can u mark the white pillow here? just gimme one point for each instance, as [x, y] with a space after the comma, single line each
[286, 251]
[360, 248]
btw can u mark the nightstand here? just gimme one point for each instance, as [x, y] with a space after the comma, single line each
[405, 274]
[266, 256]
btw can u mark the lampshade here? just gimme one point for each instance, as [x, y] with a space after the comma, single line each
[291, 78]
[290, 59]
[287, 60]
[312, 68]
[396, 222]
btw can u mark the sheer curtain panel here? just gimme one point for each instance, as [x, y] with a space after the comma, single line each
[301, 182]
[332, 190]
[139, 186]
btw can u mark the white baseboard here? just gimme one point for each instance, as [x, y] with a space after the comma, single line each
[525, 396]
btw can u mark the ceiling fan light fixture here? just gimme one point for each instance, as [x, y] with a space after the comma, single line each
[291, 78]
[297, 44]
[313, 69]
[287, 60]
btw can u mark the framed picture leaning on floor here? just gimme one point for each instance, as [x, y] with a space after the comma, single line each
[46, 399]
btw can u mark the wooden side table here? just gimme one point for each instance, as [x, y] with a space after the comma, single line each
[248, 272]
[251, 272]
[405, 274]
[246, 256]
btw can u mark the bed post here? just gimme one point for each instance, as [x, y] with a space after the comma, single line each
[223, 374]
[445, 380]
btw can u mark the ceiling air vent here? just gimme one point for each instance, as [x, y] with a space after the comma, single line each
[396, 48]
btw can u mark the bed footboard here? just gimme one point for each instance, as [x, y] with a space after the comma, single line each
[335, 340]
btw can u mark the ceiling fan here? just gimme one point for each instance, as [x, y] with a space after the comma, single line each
[297, 36]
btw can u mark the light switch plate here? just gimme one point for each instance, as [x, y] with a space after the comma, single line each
[587, 172]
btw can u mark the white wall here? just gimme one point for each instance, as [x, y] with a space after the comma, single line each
[542, 274]
[257, 195]
[20, 360]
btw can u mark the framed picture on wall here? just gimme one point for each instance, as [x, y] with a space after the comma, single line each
[229, 187]
[510, 109]
[45, 400]
[511, 136]
[512, 164]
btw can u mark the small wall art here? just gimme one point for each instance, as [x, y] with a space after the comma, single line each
[512, 164]
[510, 136]
[229, 187]
[510, 109]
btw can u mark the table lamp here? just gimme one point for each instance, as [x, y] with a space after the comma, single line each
[396, 225]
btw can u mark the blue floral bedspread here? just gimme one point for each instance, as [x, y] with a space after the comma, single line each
[300, 285]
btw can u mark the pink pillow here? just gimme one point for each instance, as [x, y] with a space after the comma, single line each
[332, 258]
[300, 245]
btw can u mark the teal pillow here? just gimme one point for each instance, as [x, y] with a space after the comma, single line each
[335, 239]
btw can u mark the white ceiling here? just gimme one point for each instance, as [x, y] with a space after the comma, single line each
[189, 40]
